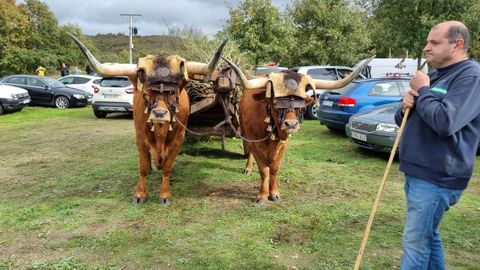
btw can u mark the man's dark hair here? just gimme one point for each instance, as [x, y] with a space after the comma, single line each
[459, 32]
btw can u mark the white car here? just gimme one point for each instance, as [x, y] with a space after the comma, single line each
[113, 94]
[12, 98]
[82, 82]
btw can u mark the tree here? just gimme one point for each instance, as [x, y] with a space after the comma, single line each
[471, 21]
[402, 25]
[13, 36]
[259, 30]
[327, 32]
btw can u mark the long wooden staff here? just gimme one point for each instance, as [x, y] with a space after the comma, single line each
[382, 185]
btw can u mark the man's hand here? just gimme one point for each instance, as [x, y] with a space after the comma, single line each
[419, 80]
[408, 101]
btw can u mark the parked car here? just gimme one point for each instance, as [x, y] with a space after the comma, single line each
[331, 73]
[268, 69]
[81, 82]
[337, 106]
[375, 129]
[12, 98]
[113, 94]
[48, 91]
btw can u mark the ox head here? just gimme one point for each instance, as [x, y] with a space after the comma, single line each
[158, 78]
[286, 92]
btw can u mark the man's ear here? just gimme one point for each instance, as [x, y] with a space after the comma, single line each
[308, 100]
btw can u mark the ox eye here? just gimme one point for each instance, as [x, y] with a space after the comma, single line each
[141, 75]
[291, 84]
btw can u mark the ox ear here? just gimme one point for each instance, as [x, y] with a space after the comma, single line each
[314, 97]
[269, 93]
[308, 100]
[184, 71]
[259, 96]
[140, 79]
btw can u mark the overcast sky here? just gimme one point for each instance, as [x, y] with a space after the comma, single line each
[103, 16]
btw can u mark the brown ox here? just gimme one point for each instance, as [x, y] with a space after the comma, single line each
[160, 110]
[271, 108]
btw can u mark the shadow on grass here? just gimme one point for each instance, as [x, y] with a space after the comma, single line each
[194, 150]
[377, 155]
[119, 116]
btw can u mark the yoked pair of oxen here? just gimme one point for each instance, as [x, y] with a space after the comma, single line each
[270, 109]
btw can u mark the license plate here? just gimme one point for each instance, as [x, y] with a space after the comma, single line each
[359, 136]
[327, 103]
[111, 96]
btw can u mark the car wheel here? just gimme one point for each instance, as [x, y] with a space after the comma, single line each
[1, 109]
[62, 102]
[312, 111]
[99, 114]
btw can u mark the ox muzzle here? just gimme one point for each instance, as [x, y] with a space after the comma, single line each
[290, 110]
[161, 100]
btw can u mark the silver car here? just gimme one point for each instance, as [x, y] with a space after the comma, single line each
[374, 129]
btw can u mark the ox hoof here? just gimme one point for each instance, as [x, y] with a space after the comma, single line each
[260, 202]
[138, 201]
[247, 172]
[274, 197]
[165, 201]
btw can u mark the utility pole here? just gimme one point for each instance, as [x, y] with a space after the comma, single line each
[130, 30]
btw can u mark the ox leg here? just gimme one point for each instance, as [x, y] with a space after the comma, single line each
[145, 167]
[264, 183]
[249, 166]
[274, 194]
[273, 184]
[165, 195]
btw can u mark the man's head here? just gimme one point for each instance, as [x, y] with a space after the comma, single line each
[447, 43]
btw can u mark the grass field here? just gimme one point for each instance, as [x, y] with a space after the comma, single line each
[68, 179]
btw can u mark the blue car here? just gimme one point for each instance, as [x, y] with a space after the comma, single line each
[337, 106]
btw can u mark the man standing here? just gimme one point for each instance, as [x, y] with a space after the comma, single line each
[438, 148]
[64, 71]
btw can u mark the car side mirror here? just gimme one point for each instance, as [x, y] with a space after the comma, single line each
[46, 87]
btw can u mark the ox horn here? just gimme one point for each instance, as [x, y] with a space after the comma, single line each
[247, 84]
[324, 84]
[202, 68]
[106, 69]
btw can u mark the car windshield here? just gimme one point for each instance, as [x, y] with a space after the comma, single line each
[53, 83]
[115, 82]
[323, 73]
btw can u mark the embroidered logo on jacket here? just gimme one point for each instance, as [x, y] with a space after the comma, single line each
[439, 90]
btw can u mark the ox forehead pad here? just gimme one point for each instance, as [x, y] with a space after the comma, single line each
[285, 84]
[169, 69]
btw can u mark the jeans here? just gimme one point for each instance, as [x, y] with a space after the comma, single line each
[426, 204]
